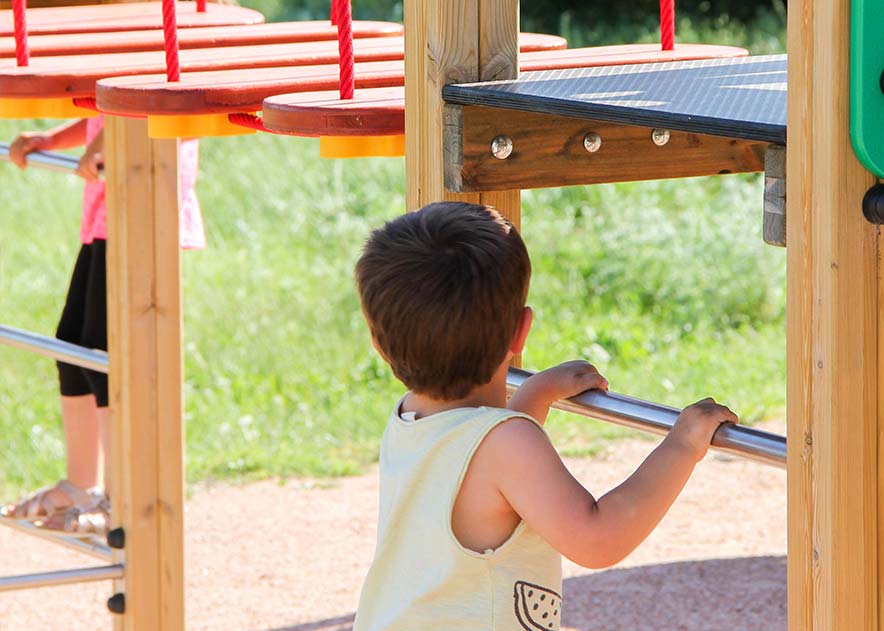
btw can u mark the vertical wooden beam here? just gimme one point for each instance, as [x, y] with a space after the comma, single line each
[452, 41]
[833, 314]
[144, 338]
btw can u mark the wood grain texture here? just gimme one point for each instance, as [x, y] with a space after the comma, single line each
[548, 151]
[834, 381]
[94, 18]
[209, 37]
[144, 336]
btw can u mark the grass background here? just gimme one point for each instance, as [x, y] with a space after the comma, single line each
[666, 286]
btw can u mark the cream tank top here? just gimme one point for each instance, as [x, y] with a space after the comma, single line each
[421, 577]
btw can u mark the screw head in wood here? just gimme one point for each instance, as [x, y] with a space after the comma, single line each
[502, 147]
[592, 142]
[660, 137]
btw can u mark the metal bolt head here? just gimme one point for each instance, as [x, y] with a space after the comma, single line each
[660, 137]
[502, 147]
[592, 142]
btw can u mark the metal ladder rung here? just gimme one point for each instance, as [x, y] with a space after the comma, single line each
[56, 349]
[61, 577]
[93, 546]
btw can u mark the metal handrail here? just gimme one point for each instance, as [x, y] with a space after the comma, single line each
[61, 577]
[738, 440]
[49, 160]
[56, 349]
[92, 546]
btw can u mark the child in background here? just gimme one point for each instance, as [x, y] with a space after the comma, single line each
[476, 506]
[78, 504]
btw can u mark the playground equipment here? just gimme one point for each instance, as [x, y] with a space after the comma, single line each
[446, 44]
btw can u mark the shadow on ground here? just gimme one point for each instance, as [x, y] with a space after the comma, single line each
[742, 594]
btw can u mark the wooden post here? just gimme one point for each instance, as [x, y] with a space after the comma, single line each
[452, 41]
[834, 311]
[144, 337]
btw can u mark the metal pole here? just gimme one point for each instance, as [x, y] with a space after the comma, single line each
[62, 577]
[51, 347]
[738, 440]
[51, 161]
[92, 546]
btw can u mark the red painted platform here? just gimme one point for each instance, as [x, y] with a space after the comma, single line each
[244, 90]
[99, 18]
[208, 37]
[76, 75]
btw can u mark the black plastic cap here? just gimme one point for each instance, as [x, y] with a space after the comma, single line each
[882, 81]
[873, 204]
[117, 603]
[116, 538]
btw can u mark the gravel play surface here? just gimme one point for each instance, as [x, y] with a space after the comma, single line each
[272, 556]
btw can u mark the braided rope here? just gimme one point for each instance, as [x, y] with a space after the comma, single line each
[86, 102]
[22, 52]
[200, 6]
[334, 11]
[247, 120]
[667, 24]
[345, 48]
[170, 40]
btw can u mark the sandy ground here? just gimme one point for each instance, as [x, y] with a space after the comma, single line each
[291, 557]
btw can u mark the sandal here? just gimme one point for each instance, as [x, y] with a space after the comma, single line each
[39, 505]
[87, 521]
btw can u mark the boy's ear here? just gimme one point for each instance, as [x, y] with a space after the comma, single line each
[522, 330]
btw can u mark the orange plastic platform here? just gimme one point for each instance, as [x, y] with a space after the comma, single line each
[244, 90]
[76, 75]
[100, 18]
[208, 37]
[382, 111]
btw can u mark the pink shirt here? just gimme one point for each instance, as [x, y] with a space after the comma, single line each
[94, 225]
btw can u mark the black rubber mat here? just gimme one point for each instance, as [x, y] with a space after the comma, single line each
[743, 97]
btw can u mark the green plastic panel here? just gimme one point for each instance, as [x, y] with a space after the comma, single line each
[866, 95]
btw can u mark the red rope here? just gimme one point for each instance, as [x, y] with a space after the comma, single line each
[247, 120]
[200, 6]
[345, 48]
[170, 39]
[86, 102]
[334, 11]
[667, 24]
[22, 52]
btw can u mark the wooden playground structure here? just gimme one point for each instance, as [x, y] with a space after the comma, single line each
[575, 117]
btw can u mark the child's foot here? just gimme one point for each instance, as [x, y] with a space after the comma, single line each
[48, 501]
[83, 520]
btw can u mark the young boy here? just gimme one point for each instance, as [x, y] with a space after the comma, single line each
[476, 506]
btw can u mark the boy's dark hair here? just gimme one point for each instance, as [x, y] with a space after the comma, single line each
[442, 290]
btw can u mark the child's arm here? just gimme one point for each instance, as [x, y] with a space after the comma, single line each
[66, 136]
[541, 390]
[596, 533]
[92, 159]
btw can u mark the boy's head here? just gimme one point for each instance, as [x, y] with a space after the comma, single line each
[443, 290]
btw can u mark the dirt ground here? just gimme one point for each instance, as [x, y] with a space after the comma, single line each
[273, 556]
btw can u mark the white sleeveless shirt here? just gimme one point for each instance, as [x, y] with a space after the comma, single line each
[422, 578]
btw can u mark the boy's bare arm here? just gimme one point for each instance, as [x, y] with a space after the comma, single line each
[597, 533]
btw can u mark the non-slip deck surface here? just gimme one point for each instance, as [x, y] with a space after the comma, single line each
[99, 18]
[208, 37]
[738, 98]
[236, 90]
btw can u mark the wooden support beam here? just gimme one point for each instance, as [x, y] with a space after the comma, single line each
[452, 41]
[549, 150]
[144, 338]
[835, 310]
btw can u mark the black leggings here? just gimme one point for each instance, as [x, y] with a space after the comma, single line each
[84, 322]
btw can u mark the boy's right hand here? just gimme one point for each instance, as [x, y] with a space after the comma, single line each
[697, 424]
[26, 143]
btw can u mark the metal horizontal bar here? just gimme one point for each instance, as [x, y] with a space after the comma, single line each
[56, 349]
[738, 440]
[51, 161]
[61, 577]
[92, 546]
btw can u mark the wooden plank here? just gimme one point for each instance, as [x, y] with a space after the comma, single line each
[210, 37]
[549, 151]
[144, 336]
[834, 309]
[131, 16]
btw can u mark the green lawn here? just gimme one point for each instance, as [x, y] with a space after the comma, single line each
[666, 286]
